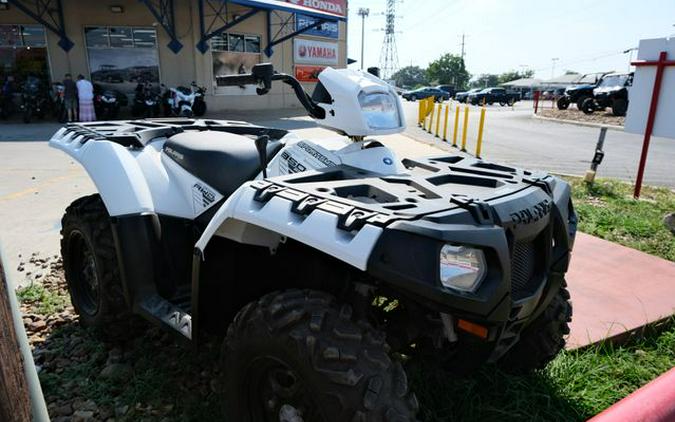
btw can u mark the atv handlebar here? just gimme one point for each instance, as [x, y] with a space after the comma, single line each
[263, 75]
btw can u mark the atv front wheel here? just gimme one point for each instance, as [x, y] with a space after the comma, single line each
[90, 263]
[298, 353]
[542, 340]
[588, 107]
[619, 107]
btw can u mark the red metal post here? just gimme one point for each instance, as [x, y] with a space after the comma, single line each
[651, 117]
[536, 101]
[654, 402]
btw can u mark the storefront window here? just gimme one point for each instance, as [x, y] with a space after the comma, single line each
[120, 57]
[121, 37]
[234, 54]
[236, 43]
[23, 52]
[252, 44]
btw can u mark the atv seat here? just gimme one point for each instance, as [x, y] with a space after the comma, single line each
[223, 160]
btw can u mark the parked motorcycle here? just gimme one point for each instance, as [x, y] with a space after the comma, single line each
[107, 102]
[184, 102]
[34, 101]
[58, 102]
[146, 101]
[7, 98]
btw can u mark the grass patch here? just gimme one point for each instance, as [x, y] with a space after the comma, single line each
[607, 210]
[574, 387]
[44, 301]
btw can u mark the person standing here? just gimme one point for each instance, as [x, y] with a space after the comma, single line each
[70, 97]
[85, 95]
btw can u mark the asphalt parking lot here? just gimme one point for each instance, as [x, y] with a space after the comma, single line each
[513, 136]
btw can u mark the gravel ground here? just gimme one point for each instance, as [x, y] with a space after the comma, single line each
[138, 373]
[600, 117]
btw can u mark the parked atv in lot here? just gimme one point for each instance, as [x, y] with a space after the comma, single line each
[320, 261]
[577, 94]
[612, 92]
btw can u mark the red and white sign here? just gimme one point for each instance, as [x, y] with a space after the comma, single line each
[315, 52]
[339, 7]
[305, 73]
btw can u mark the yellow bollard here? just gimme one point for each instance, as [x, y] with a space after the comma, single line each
[431, 119]
[445, 125]
[420, 112]
[438, 119]
[454, 134]
[464, 128]
[481, 124]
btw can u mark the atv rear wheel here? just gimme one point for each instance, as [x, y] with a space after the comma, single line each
[90, 263]
[300, 353]
[542, 340]
[563, 103]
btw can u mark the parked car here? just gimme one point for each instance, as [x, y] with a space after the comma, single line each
[448, 88]
[612, 91]
[464, 95]
[579, 93]
[418, 94]
[493, 95]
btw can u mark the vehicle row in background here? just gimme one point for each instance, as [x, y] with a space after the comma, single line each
[426, 92]
[609, 90]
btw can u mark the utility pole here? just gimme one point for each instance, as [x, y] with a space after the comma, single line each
[463, 36]
[363, 12]
[553, 60]
[389, 54]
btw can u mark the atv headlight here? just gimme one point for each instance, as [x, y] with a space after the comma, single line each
[380, 110]
[462, 268]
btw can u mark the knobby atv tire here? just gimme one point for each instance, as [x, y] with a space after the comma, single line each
[542, 340]
[88, 220]
[344, 364]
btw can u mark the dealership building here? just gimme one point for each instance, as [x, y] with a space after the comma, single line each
[119, 43]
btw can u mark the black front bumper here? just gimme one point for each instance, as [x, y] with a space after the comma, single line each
[526, 238]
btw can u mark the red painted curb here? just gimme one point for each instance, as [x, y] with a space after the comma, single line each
[654, 402]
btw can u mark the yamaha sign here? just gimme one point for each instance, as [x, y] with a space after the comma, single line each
[339, 7]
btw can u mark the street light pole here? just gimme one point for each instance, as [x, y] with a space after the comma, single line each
[553, 60]
[363, 12]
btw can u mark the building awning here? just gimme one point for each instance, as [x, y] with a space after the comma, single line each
[289, 7]
[255, 6]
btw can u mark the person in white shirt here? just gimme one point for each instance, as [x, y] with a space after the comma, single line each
[85, 95]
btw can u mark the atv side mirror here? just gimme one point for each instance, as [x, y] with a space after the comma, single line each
[261, 145]
[263, 73]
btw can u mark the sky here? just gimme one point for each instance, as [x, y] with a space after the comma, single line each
[503, 35]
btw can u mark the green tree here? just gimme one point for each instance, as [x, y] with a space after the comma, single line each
[410, 76]
[485, 80]
[449, 69]
[513, 75]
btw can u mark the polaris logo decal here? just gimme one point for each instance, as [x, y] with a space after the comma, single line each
[202, 197]
[174, 154]
[316, 154]
[532, 214]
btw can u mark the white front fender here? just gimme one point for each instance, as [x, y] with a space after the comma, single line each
[271, 220]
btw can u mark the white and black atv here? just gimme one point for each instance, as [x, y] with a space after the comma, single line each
[321, 261]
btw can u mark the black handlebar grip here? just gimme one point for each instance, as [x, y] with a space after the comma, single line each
[235, 80]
